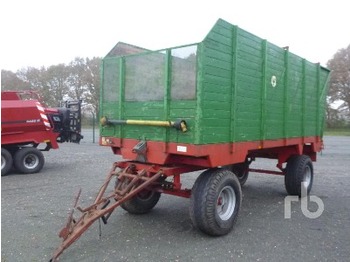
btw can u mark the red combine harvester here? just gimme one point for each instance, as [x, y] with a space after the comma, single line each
[26, 123]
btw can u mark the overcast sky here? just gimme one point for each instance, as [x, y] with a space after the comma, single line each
[43, 33]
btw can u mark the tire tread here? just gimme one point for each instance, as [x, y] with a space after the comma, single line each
[203, 201]
[295, 173]
[21, 153]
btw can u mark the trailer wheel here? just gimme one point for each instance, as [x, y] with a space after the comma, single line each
[142, 203]
[6, 161]
[241, 170]
[299, 169]
[215, 201]
[29, 160]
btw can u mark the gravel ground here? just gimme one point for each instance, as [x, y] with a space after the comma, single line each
[34, 208]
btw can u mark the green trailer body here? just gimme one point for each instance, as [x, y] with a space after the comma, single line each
[231, 87]
[215, 105]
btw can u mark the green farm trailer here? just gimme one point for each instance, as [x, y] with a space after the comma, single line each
[215, 106]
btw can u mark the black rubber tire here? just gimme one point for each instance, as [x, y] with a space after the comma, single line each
[299, 168]
[241, 170]
[6, 161]
[29, 160]
[142, 203]
[204, 202]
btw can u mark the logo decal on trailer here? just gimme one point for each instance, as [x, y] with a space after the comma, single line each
[273, 81]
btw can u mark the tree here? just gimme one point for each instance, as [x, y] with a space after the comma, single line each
[56, 83]
[340, 78]
[333, 119]
[84, 80]
[92, 80]
[75, 79]
[36, 80]
[10, 81]
[80, 79]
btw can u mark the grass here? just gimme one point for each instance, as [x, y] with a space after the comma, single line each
[337, 132]
[327, 131]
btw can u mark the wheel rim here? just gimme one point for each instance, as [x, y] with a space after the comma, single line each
[3, 162]
[226, 203]
[307, 176]
[31, 161]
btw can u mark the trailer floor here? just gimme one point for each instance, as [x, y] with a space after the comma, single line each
[34, 208]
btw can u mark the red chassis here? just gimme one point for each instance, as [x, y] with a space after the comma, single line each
[171, 160]
[213, 155]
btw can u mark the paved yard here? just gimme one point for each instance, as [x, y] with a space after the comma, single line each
[34, 208]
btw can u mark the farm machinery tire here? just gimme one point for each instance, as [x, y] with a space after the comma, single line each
[142, 203]
[299, 169]
[6, 161]
[215, 201]
[29, 160]
[241, 170]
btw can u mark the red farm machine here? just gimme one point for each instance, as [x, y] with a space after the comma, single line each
[26, 125]
[215, 106]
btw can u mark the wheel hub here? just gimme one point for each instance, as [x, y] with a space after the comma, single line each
[226, 203]
[31, 161]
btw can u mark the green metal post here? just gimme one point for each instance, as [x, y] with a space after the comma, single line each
[199, 105]
[318, 128]
[303, 99]
[234, 84]
[167, 84]
[285, 93]
[263, 90]
[121, 91]
[101, 89]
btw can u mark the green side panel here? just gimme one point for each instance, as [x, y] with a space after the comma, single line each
[311, 100]
[159, 85]
[109, 109]
[294, 93]
[110, 93]
[185, 110]
[232, 87]
[274, 83]
[248, 86]
[216, 85]
[155, 111]
[150, 110]
[254, 90]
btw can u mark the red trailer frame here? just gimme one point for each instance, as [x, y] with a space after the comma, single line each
[135, 179]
